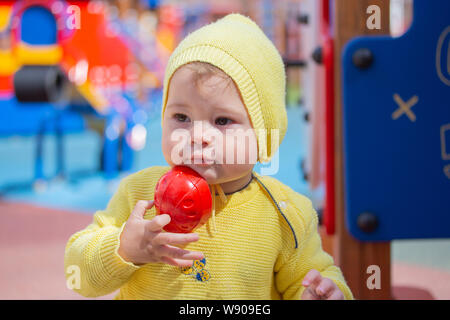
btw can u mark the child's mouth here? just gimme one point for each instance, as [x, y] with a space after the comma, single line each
[200, 161]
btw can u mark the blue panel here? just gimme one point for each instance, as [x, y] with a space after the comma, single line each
[153, 4]
[18, 118]
[38, 26]
[397, 129]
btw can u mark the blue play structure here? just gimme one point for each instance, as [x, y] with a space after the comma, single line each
[46, 33]
[397, 130]
[38, 28]
[38, 118]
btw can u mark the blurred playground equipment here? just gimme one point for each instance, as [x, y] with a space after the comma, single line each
[72, 66]
[67, 64]
[379, 128]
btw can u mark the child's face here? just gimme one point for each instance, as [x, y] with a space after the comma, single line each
[207, 112]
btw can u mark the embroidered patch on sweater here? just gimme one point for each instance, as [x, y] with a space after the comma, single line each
[197, 270]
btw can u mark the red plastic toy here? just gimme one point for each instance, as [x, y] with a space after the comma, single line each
[184, 195]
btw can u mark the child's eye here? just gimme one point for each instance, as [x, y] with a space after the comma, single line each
[181, 117]
[222, 121]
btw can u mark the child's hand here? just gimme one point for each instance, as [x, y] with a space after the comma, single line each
[142, 241]
[320, 288]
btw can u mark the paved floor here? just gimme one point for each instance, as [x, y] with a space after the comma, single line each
[33, 239]
[32, 243]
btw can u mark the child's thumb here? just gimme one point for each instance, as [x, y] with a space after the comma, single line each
[158, 222]
[141, 207]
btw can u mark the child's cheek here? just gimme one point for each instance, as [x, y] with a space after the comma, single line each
[244, 150]
[169, 148]
[229, 150]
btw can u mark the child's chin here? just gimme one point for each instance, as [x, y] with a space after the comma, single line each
[208, 172]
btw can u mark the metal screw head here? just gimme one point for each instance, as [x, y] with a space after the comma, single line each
[367, 222]
[303, 18]
[306, 116]
[317, 55]
[363, 58]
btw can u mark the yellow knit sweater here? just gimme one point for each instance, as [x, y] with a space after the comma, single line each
[260, 249]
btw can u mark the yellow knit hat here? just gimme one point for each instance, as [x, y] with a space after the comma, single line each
[236, 45]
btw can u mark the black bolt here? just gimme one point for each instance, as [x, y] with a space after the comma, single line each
[363, 58]
[306, 116]
[317, 55]
[305, 176]
[367, 222]
[320, 215]
[303, 18]
[303, 172]
[294, 63]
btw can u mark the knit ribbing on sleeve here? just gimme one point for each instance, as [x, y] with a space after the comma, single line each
[94, 249]
[296, 263]
[115, 265]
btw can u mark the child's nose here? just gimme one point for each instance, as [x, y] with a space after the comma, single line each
[201, 134]
[201, 142]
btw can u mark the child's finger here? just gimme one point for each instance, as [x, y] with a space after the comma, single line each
[309, 294]
[178, 253]
[325, 288]
[141, 207]
[175, 238]
[177, 262]
[158, 222]
[312, 279]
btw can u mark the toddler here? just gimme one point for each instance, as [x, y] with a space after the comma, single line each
[224, 82]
